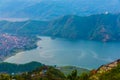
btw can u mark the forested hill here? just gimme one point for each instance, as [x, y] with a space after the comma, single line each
[101, 27]
[18, 68]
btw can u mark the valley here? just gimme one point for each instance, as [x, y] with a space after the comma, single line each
[67, 52]
[59, 39]
[82, 32]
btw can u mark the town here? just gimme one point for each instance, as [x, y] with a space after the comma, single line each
[11, 44]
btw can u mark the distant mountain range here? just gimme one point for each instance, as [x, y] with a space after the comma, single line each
[51, 9]
[101, 27]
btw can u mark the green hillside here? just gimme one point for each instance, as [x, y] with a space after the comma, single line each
[18, 68]
[68, 69]
[109, 71]
[100, 27]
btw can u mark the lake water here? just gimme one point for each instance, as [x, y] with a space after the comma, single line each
[59, 51]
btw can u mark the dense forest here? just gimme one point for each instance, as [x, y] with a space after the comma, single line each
[18, 68]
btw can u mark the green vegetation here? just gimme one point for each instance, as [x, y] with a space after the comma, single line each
[42, 73]
[18, 68]
[73, 75]
[53, 73]
[68, 69]
[113, 74]
[45, 73]
[50, 73]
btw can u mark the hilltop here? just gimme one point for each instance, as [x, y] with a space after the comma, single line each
[68, 69]
[18, 68]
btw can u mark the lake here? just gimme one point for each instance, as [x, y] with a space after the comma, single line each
[61, 52]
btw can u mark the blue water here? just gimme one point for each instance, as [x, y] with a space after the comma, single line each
[88, 54]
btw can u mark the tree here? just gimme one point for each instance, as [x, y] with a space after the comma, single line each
[84, 76]
[73, 75]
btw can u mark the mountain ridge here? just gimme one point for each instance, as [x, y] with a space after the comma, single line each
[101, 27]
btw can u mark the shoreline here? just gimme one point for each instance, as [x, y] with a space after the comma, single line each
[35, 46]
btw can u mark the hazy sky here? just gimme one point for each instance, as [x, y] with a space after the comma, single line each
[57, 7]
[113, 1]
